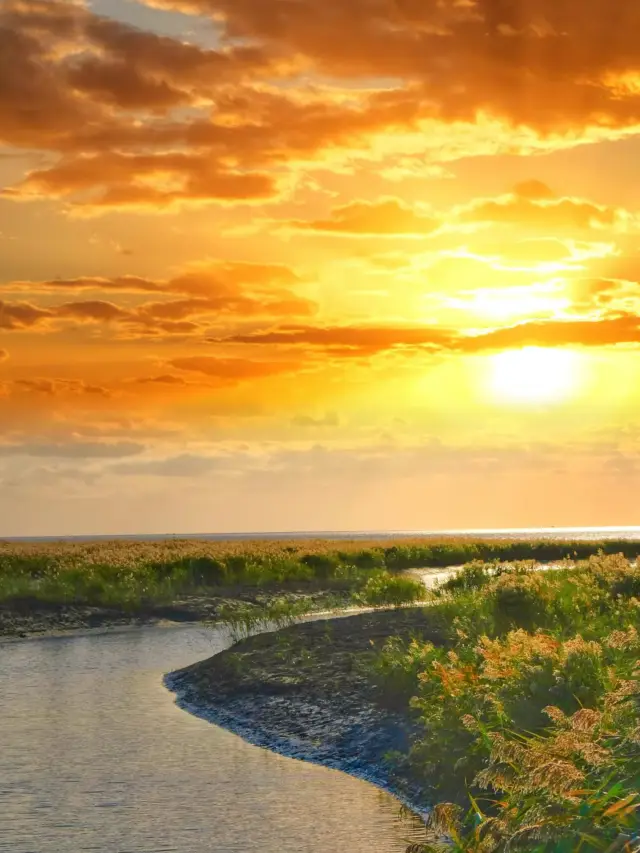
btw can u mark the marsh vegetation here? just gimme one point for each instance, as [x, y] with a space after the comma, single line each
[131, 574]
[510, 703]
[527, 710]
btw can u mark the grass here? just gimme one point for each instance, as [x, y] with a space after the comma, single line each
[527, 729]
[528, 715]
[132, 574]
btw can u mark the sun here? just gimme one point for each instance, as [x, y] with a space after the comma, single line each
[534, 374]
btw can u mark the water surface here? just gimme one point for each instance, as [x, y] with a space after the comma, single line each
[95, 756]
[559, 534]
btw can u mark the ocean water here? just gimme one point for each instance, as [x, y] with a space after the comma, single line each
[550, 533]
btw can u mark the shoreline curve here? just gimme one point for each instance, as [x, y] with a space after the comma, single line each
[287, 747]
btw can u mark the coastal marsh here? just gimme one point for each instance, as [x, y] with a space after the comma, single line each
[130, 574]
[509, 706]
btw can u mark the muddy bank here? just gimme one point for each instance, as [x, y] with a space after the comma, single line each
[307, 692]
[24, 617]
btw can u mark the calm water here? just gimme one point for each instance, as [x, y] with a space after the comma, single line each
[557, 533]
[95, 756]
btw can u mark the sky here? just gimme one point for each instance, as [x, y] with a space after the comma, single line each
[318, 265]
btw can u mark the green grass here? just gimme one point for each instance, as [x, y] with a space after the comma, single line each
[387, 589]
[132, 574]
[528, 715]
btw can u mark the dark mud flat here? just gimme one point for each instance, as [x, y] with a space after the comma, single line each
[28, 616]
[307, 692]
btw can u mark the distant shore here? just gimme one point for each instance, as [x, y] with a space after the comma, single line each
[627, 533]
[73, 584]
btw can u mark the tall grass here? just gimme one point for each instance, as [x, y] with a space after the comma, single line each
[242, 619]
[135, 573]
[528, 716]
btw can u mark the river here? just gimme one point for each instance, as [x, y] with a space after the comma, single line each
[96, 756]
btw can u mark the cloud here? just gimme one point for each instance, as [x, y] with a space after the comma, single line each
[125, 284]
[130, 118]
[55, 387]
[208, 293]
[387, 217]
[21, 315]
[164, 379]
[331, 419]
[604, 331]
[553, 67]
[533, 251]
[231, 370]
[4, 355]
[371, 338]
[226, 287]
[531, 205]
[74, 450]
[361, 462]
[608, 331]
[158, 180]
[184, 465]
[95, 310]
[539, 210]
[534, 190]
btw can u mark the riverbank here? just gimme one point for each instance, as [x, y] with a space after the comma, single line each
[306, 692]
[27, 616]
[515, 691]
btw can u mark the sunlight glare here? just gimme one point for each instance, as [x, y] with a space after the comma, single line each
[534, 374]
[504, 303]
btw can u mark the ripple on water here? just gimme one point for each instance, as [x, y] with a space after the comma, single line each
[97, 757]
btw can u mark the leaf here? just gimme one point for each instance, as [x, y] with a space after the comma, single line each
[621, 804]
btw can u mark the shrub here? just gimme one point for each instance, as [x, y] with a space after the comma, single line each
[207, 571]
[396, 590]
[474, 575]
[322, 565]
[529, 739]
[368, 559]
[520, 600]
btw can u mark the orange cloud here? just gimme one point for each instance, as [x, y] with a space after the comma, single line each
[524, 207]
[164, 379]
[121, 180]
[230, 370]
[607, 331]
[208, 291]
[107, 98]
[553, 67]
[20, 315]
[74, 450]
[385, 217]
[347, 337]
[54, 387]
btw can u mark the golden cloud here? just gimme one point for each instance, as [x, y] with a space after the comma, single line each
[605, 331]
[232, 370]
[143, 120]
[553, 67]
[207, 291]
[387, 217]
[56, 387]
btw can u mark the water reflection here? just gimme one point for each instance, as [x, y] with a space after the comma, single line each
[95, 756]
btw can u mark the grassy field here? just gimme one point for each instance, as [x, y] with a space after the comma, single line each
[528, 711]
[128, 574]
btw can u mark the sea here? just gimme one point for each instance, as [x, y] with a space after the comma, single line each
[566, 534]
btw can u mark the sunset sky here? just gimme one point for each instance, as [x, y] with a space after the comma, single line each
[318, 264]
